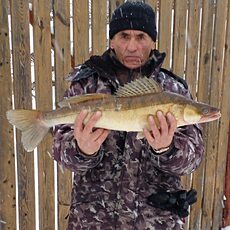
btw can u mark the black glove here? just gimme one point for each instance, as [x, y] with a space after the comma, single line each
[176, 202]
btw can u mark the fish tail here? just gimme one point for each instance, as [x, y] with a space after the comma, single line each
[31, 124]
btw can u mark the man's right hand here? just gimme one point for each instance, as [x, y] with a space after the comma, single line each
[89, 139]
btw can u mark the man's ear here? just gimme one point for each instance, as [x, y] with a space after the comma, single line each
[153, 45]
[111, 44]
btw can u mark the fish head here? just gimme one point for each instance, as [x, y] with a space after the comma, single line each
[200, 113]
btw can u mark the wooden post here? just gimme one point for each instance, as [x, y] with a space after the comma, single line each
[23, 100]
[43, 95]
[62, 68]
[99, 20]
[81, 31]
[226, 212]
[7, 156]
[165, 20]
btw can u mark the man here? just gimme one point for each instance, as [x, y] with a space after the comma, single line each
[121, 182]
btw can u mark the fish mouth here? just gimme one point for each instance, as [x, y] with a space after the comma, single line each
[210, 117]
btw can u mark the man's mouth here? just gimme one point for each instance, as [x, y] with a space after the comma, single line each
[134, 59]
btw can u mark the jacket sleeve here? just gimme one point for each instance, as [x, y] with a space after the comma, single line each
[186, 152]
[187, 148]
[65, 147]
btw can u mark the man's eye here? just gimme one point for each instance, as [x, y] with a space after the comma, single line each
[140, 37]
[124, 36]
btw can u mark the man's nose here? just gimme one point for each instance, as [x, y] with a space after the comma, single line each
[132, 45]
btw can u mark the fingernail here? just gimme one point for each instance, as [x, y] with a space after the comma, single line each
[98, 113]
[169, 115]
[150, 117]
[159, 113]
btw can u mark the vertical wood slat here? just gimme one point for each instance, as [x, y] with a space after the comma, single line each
[153, 4]
[190, 76]
[7, 157]
[226, 211]
[164, 38]
[179, 35]
[22, 98]
[62, 68]
[43, 88]
[212, 132]
[224, 127]
[191, 63]
[202, 95]
[99, 20]
[226, 123]
[81, 31]
[192, 45]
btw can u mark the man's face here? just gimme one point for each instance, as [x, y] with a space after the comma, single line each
[132, 47]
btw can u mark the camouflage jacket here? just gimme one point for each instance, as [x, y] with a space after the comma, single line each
[110, 187]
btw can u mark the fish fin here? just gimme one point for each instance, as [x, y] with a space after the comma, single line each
[140, 135]
[32, 127]
[82, 98]
[140, 86]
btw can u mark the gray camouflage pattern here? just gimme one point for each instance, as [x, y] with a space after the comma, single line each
[110, 187]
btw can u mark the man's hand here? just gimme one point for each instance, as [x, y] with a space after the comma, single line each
[89, 139]
[162, 136]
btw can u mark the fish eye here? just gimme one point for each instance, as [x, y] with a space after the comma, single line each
[205, 111]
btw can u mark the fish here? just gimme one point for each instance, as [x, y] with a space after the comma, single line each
[127, 110]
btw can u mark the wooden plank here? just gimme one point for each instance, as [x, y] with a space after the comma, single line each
[179, 35]
[192, 59]
[192, 45]
[43, 91]
[62, 68]
[99, 24]
[211, 174]
[7, 156]
[178, 56]
[203, 95]
[81, 31]
[165, 19]
[226, 212]
[153, 3]
[22, 98]
[225, 109]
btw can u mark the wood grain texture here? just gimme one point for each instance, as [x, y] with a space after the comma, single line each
[43, 95]
[23, 96]
[81, 31]
[7, 155]
[62, 68]
[99, 21]
[165, 30]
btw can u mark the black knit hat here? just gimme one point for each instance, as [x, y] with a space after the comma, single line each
[133, 15]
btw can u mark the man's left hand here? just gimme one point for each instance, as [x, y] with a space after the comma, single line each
[161, 136]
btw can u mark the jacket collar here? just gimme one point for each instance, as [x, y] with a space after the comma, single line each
[109, 63]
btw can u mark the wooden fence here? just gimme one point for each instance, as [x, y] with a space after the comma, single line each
[40, 40]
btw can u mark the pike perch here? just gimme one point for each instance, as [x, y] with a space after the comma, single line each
[126, 111]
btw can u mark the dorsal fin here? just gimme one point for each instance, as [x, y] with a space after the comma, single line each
[139, 87]
[82, 98]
